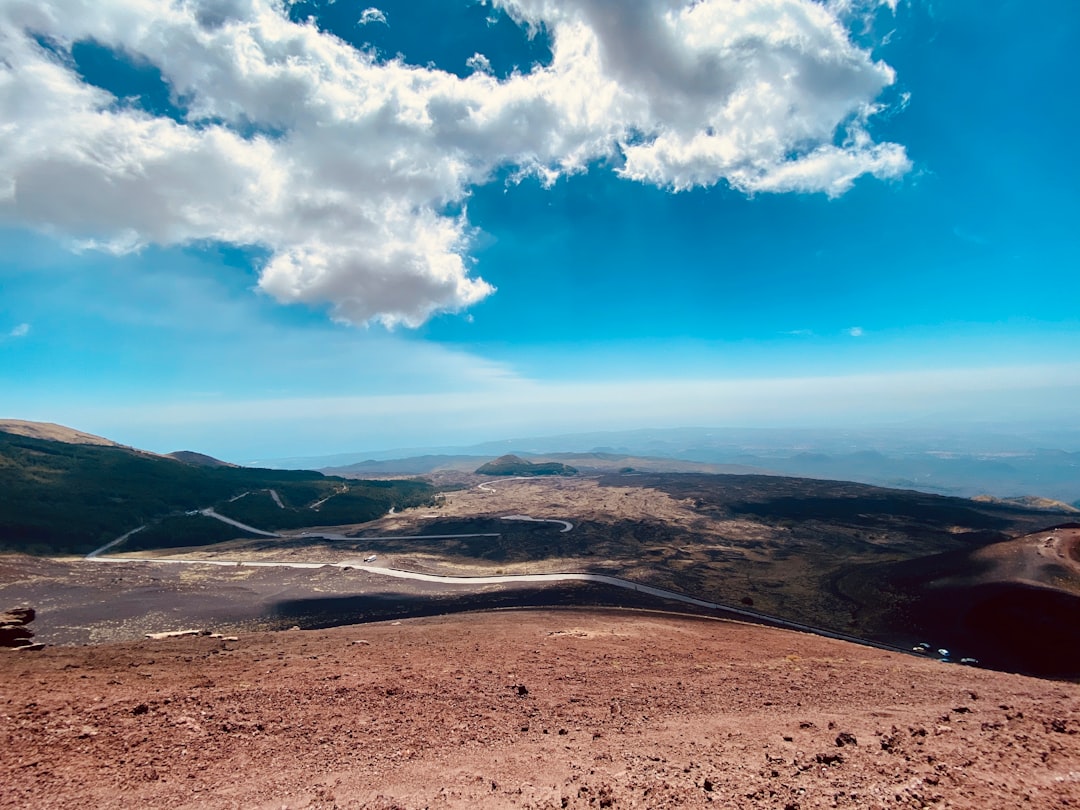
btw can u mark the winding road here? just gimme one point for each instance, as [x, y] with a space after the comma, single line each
[472, 581]
[508, 579]
[566, 524]
[486, 486]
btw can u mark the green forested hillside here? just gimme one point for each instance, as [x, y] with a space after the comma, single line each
[59, 497]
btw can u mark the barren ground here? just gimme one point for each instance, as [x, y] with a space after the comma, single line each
[561, 708]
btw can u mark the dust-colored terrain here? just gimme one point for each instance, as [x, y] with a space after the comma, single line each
[543, 709]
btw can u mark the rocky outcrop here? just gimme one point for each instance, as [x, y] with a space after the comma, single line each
[13, 629]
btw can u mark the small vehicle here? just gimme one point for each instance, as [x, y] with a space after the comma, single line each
[969, 661]
[943, 652]
[370, 558]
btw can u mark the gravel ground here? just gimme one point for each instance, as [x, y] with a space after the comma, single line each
[546, 708]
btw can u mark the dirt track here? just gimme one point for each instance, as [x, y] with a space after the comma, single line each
[529, 709]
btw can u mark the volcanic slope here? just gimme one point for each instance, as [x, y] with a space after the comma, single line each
[785, 548]
[545, 709]
[1016, 604]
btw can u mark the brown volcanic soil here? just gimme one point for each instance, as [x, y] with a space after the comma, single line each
[528, 709]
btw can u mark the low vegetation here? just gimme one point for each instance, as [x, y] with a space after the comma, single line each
[73, 498]
[515, 465]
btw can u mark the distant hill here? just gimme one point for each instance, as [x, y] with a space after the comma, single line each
[412, 465]
[515, 465]
[72, 497]
[963, 460]
[198, 459]
[1030, 502]
[53, 432]
[583, 462]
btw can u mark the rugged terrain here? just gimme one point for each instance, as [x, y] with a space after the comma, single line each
[437, 699]
[831, 555]
[542, 709]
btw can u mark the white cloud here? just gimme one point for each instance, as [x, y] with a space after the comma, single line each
[22, 330]
[856, 331]
[479, 62]
[371, 15]
[355, 161]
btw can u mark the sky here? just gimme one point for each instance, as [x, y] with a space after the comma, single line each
[258, 228]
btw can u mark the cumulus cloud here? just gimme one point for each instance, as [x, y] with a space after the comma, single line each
[22, 330]
[343, 166]
[371, 15]
[856, 331]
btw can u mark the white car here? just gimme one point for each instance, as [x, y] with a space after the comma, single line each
[370, 558]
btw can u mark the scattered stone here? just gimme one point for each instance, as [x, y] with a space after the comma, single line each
[845, 738]
[362, 641]
[175, 634]
[142, 708]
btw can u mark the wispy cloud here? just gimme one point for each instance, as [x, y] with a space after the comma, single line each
[22, 330]
[856, 331]
[355, 162]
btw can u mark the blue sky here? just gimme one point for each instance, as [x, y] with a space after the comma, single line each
[259, 229]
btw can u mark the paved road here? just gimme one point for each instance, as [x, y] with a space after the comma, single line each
[209, 512]
[486, 486]
[315, 506]
[113, 543]
[566, 524]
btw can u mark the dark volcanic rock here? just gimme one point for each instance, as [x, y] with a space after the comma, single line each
[19, 615]
[13, 629]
